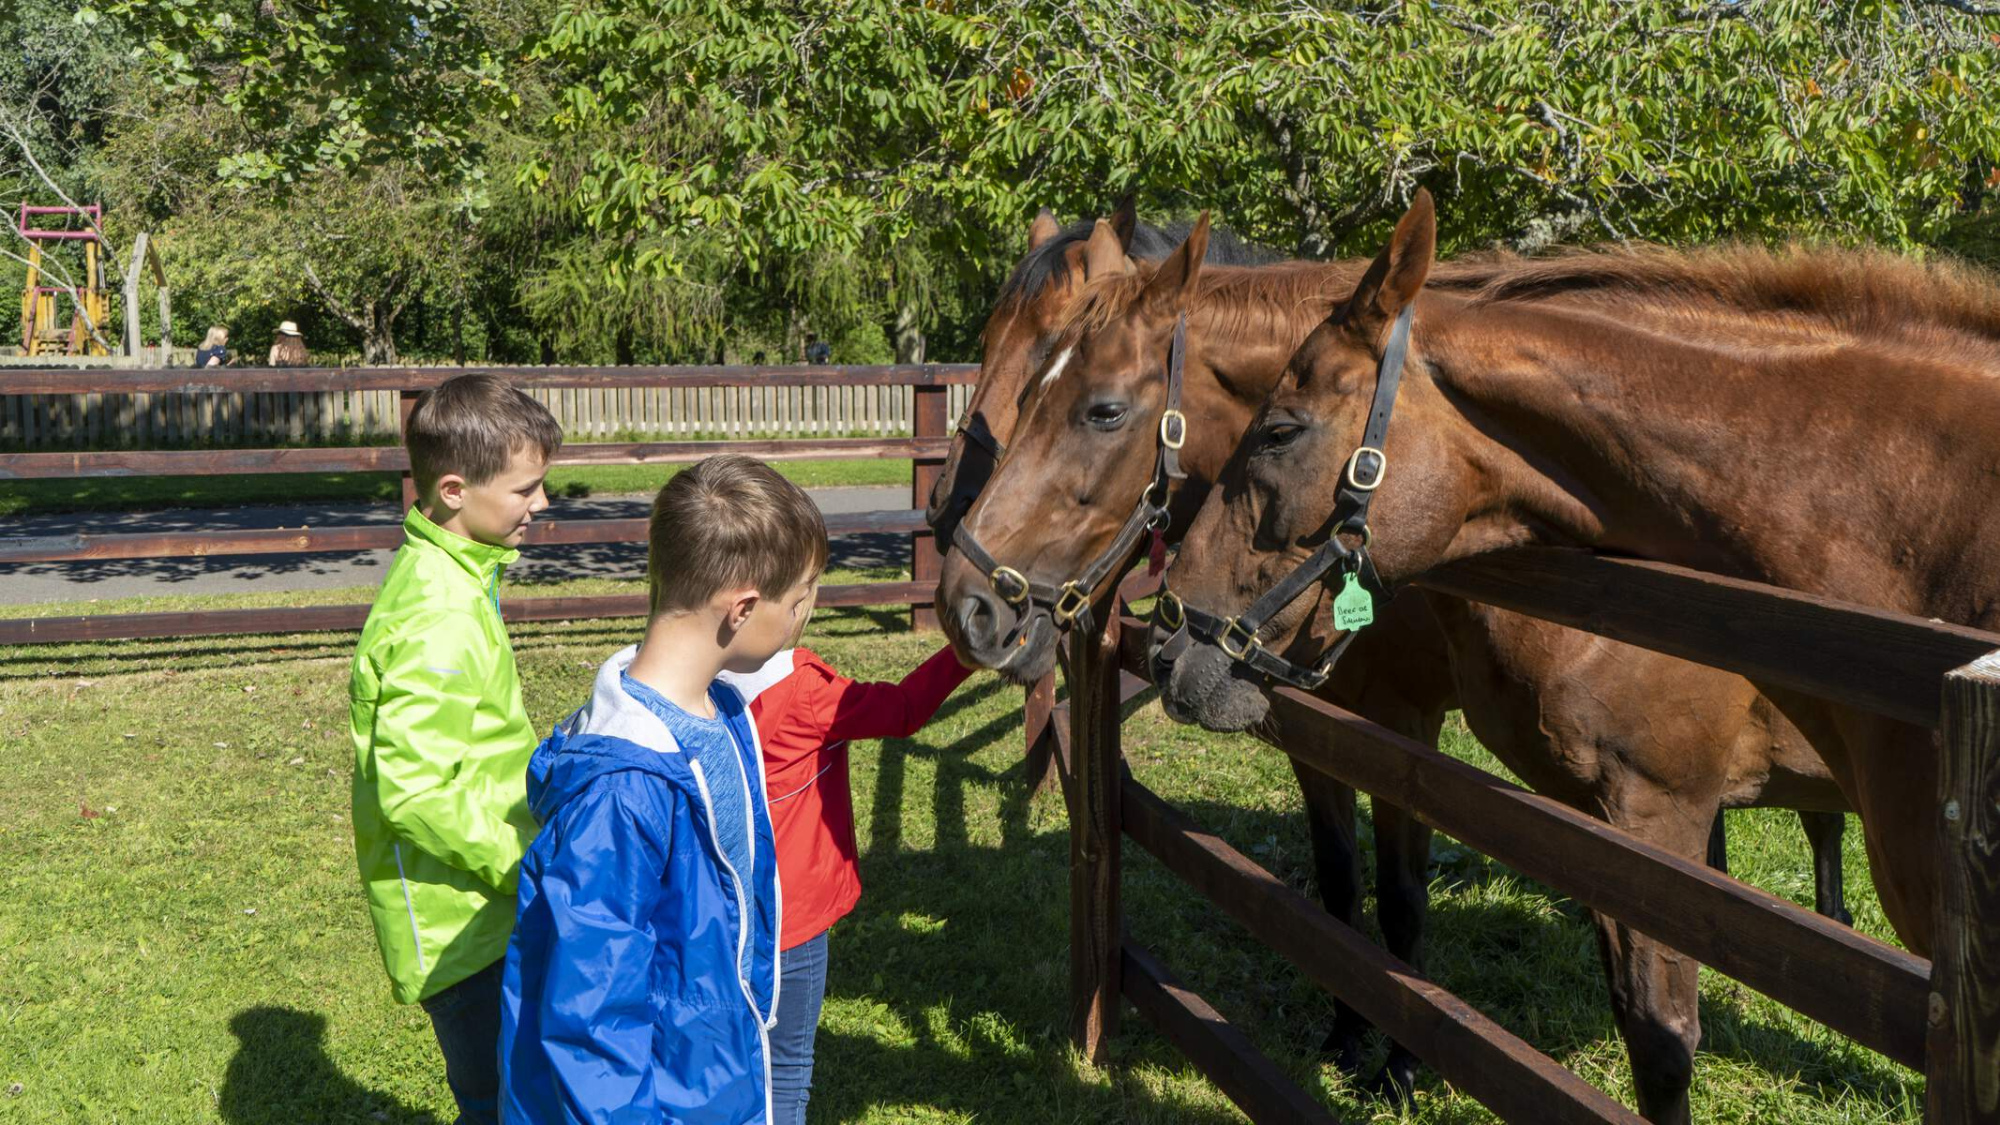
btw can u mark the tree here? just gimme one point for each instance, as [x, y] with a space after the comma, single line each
[802, 128]
[666, 179]
[319, 86]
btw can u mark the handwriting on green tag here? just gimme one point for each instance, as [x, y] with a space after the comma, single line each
[1353, 607]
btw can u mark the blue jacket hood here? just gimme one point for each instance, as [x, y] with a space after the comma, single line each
[612, 732]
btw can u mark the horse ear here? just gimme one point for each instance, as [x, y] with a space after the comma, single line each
[1172, 285]
[1397, 275]
[1125, 220]
[1102, 255]
[1044, 228]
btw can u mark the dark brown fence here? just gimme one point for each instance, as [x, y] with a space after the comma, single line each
[1940, 1017]
[30, 422]
[926, 448]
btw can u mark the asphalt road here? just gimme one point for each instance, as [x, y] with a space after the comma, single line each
[24, 583]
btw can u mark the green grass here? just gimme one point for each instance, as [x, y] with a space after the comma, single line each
[118, 494]
[137, 984]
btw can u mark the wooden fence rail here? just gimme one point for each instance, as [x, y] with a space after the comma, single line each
[926, 387]
[102, 417]
[374, 459]
[1942, 1018]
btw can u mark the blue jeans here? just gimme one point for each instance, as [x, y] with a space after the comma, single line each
[802, 985]
[466, 1018]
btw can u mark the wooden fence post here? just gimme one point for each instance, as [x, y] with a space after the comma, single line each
[930, 422]
[1041, 740]
[406, 402]
[1096, 921]
[1962, 1064]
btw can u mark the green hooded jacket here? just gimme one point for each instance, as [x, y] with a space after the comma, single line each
[441, 747]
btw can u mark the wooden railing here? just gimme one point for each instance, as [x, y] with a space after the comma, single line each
[926, 448]
[1940, 1017]
[31, 421]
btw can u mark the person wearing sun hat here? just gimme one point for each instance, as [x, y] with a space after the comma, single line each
[289, 348]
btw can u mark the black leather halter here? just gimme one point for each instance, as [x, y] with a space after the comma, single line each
[1069, 601]
[1237, 636]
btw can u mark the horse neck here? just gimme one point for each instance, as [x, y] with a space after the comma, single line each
[1832, 466]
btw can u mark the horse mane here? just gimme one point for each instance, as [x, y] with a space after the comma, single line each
[1233, 294]
[1865, 292]
[1048, 265]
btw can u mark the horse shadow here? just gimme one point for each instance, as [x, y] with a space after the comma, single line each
[281, 1075]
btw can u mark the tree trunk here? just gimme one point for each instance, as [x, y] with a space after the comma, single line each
[378, 335]
[909, 336]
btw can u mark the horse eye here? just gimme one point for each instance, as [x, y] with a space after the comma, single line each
[1281, 434]
[1106, 415]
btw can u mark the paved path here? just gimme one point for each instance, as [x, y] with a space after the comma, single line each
[25, 583]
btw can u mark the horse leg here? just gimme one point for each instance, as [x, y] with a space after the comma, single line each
[1824, 830]
[1337, 862]
[1402, 902]
[1718, 845]
[1654, 993]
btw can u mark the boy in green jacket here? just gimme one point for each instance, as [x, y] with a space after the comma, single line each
[441, 738]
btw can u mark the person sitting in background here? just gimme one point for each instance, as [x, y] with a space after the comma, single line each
[289, 349]
[818, 351]
[214, 350]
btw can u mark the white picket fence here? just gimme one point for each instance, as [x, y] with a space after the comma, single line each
[348, 417]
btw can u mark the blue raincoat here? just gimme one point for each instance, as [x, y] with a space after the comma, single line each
[622, 1000]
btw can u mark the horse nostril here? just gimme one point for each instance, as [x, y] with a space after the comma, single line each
[975, 620]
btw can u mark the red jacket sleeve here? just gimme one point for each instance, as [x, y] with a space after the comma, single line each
[851, 710]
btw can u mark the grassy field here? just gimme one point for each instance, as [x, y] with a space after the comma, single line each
[99, 494]
[184, 938]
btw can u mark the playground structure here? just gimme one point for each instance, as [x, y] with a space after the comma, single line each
[45, 333]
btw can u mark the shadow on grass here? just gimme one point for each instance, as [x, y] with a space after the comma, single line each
[106, 658]
[35, 662]
[955, 771]
[281, 1075]
[947, 990]
[1509, 946]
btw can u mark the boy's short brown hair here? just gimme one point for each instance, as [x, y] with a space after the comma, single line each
[471, 425]
[728, 522]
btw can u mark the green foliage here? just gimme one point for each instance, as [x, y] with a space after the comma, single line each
[324, 85]
[676, 180]
[813, 127]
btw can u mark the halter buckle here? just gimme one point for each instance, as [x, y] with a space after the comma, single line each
[1353, 472]
[1173, 429]
[1318, 674]
[1231, 628]
[1072, 601]
[1012, 578]
[1174, 618]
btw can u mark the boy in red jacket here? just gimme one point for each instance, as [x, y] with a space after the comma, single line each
[805, 714]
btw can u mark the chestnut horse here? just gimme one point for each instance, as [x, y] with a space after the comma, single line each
[1554, 704]
[1826, 421]
[1407, 685]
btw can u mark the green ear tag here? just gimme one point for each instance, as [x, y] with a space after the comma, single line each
[1353, 607]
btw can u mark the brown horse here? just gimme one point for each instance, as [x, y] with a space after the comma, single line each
[1407, 685]
[1826, 421]
[1550, 702]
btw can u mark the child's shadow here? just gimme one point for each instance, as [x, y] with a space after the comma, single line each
[281, 1075]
